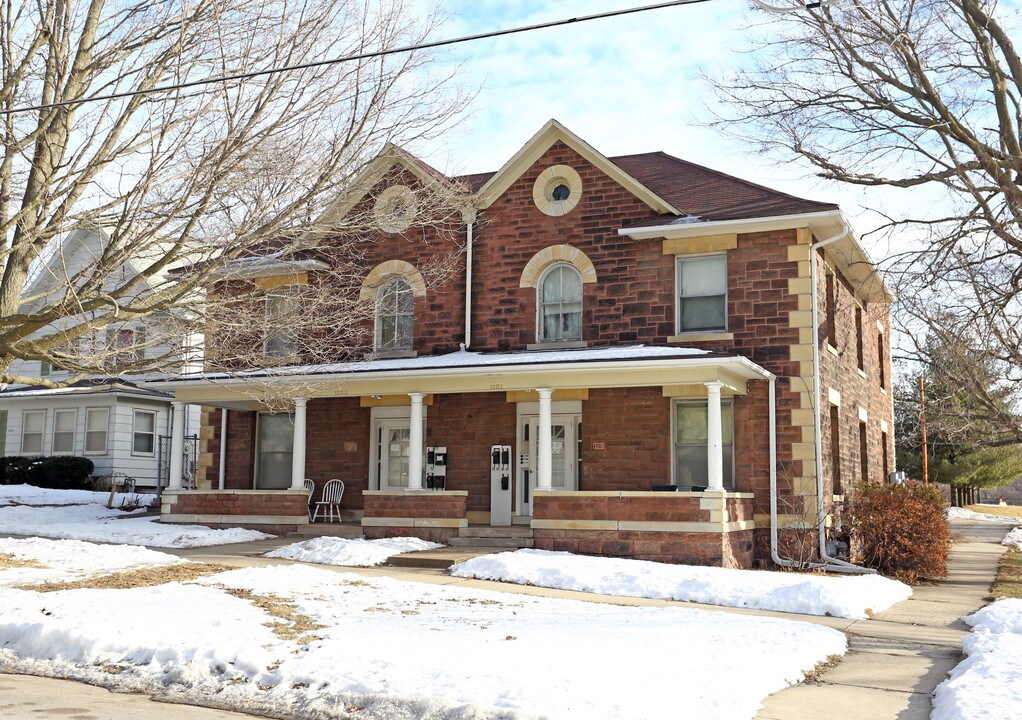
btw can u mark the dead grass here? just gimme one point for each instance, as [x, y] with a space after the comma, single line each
[1005, 511]
[9, 561]
[293, 625]
[814, 675]
[1009, 576]
[144, 577]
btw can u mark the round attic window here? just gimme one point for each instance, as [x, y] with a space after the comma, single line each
[395, 209]
[557, 190]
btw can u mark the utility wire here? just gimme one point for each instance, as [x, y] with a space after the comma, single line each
[359, 56]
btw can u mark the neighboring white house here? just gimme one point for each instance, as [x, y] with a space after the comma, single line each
[110, 419]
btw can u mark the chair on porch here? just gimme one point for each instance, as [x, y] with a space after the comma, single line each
[332, 494]
[310, 488]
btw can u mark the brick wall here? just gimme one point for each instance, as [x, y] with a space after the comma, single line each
[425, 504]
[337, 446]
[634, 427]
[252, 503]
[655, 507]
[733, 550]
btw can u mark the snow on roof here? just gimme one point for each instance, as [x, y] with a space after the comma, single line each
[467, 359]
[85, 387]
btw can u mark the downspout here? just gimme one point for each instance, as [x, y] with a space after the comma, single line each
[469, 216]
[223, 449]
[829, 563]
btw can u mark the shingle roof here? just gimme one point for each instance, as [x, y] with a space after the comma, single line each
[697, 190]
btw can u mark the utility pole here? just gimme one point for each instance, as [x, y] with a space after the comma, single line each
[922, 430]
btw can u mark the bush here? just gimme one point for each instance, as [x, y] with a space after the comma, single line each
[900, 530]
[62, 472]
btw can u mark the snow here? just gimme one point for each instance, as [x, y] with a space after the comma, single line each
[409, 650]
[987, 685]
[83, 515]
[351, 553]
[61, 560]
[955, 513]
[468, 359]
[1014, 537]
[849, 596]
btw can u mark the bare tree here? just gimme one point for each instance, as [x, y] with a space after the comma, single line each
[925, 97]
[196, 176]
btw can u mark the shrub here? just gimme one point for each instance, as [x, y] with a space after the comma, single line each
[16, 470]
[64, 472]
[900, 530]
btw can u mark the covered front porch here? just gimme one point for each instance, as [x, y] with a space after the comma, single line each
[431, 446]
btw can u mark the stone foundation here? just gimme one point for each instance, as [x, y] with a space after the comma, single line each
[276, 510]
[434, 515]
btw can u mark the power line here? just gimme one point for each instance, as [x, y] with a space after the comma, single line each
[359, 56]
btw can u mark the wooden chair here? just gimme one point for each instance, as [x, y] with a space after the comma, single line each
[310, 488]
[331, 498]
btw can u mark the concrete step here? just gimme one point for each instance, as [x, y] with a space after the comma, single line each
[491, 542]
[485, 531]
[319, 529]
[439, 559]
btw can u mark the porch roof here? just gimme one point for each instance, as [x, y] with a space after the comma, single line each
[463, 371]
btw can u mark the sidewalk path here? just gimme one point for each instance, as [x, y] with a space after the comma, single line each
[897, 659]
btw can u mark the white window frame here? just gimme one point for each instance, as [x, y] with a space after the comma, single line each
[377, 340]
[389, 417]
[74, 431]
[135, 412]
[729, 483]
[540, 339]
[287, 338]
[42, 433]
[257, 465]
[678, 260]
[106, 431]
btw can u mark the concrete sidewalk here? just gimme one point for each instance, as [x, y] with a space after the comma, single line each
[897, 659]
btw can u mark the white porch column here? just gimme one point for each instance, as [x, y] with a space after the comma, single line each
[545, 447]
[298, 446]
[714, 442]
[177, 447]
[415, 449]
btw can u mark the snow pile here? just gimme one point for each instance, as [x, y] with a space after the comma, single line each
[955, 513]
[351, 553]
[31, 495]
[399, 649]
[60, 560]
[83, 515]
[850, 596]
[1014, 537]
[987, 685]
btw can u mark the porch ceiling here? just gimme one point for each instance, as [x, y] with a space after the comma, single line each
[642, 367]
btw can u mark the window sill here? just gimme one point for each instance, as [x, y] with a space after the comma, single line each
[831, 349]
[700, 337]
[862, 373]
[393, 354]
[561, 345]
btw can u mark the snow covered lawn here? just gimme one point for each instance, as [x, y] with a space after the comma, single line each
[850, 596]
[987, 685]
[956, 513]
[350, 553]
[83, 515]
[396, 649]
[36, 560]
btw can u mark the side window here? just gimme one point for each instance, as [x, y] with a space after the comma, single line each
[143, 433]
[691, 443]
[33, 423]
[395, 315]
[702, 293]
[64, 422]
[560, 304]
[97, 420]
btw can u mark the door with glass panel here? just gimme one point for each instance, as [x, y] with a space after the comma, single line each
[564, 432]
[274, 450]
[391, 440]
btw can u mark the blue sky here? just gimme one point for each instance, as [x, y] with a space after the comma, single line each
[627, 84]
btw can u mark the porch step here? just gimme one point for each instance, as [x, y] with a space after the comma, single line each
[439, 559]
[491, 542]
[342, 530]
[486, 531]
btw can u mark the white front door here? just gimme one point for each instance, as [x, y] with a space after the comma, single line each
[565, 432]
[391, 441]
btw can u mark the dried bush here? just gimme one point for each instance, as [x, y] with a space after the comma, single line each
[900, 530]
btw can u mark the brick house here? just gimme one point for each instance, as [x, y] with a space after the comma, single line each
[617, 328]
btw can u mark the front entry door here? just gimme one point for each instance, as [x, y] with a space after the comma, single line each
[565, 431]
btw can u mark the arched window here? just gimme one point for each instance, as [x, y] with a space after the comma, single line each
[395, 310]
[560, 304]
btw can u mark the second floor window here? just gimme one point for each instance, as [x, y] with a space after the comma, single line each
[280, 339]
[560, 304]
[395, 314]
[702, 293]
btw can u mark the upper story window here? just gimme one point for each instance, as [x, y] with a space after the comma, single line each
[395, 314]
[702, 293]
[125, 345]
[831, 299]
[279, 337]
[560, 304]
